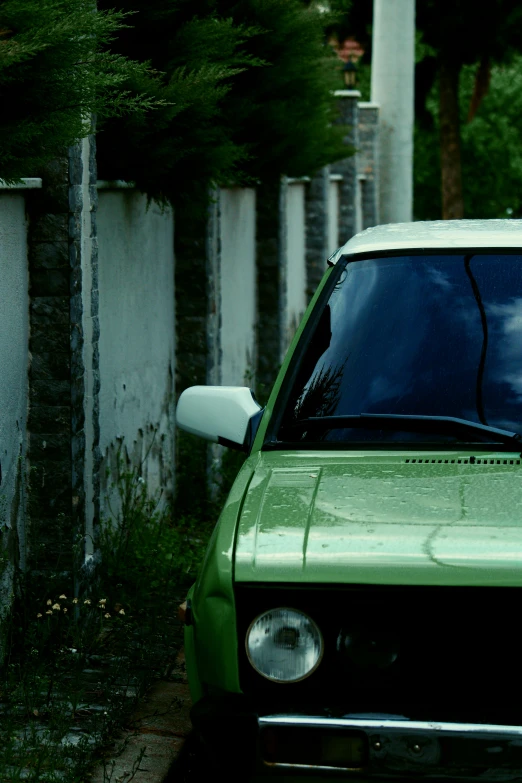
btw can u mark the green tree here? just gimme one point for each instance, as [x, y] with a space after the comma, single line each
[491, 146]
[456, 35]
[175, 152]
[284, 111]
[452, 37]
[55, 71]
[247, 90]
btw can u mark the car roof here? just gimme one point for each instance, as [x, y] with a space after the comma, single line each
[433, 234]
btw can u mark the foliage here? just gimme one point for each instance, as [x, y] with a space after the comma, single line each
[145, 555]
[247, 90]
[200, 504]
[458, 36]
[469, 43]
[284, 112]
[186, 143]
[54, 714]
[491, 149]
[445, 27]
[55, 71]
[77, 665]
[456, 29]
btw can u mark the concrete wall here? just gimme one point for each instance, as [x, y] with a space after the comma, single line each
[359, 200]
[334, 197]
[101, 333]
[137, 333]
[238, 286]
[14, 319]
[294, 302]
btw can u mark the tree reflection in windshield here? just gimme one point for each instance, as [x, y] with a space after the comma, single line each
[321, 396]
[433, 335]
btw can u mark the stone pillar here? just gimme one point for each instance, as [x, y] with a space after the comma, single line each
[213, 304]
[368, 162]
[214, 455]
[49, 425]
[191, 285]
[317, 239]
[393, 64]
[86, 473]
[270, 237]
[281, 278]
[60, 369]
[347, 168]
[197, 290]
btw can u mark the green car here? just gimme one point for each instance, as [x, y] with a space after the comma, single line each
[357, 614]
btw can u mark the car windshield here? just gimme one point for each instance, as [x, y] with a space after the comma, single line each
[416, 335]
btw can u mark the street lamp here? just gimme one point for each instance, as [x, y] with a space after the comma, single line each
[350, 74]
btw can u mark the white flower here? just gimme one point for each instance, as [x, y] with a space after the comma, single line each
[122, 611]
[56, 606]
[106, 614]
[87, 602]
[63, 597]
[39, 614]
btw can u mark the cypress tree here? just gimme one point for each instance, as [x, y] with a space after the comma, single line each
[55, 71]
[248, 90]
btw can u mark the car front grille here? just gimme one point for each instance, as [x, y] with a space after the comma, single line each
[426, 653]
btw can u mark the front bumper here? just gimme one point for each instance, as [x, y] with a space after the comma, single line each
[356, 746]
[390, 747]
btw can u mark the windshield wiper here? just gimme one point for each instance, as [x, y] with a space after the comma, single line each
[438, 425]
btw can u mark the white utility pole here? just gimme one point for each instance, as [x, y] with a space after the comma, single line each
[393, 64]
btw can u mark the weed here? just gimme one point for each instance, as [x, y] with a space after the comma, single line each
[76, 665]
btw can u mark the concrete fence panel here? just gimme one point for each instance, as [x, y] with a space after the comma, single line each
[238, 286]
[14, 318]
[137, 337]
[294, 298]
[334, 200]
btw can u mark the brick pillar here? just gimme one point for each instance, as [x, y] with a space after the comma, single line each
[213, 277]
[197, 287]
[368, 163]
[77, 334]
[49, 425]
[317, 245]
[87, 470]
[58, 372]
[348, 115]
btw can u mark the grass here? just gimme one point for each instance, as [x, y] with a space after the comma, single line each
[76, 664]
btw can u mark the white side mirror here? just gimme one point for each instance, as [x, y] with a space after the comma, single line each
[224, 414]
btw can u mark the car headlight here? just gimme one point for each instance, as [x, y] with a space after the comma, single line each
[284, 645]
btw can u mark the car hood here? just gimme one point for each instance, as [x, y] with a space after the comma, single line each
[352, 517]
